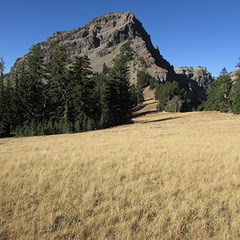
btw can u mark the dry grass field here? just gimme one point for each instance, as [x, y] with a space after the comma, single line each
[168, 176]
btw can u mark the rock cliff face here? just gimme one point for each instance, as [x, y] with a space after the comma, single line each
[199, 74]
[234, 75]
[102, 39]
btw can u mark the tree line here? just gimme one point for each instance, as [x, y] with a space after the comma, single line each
[66, 96]
[182, 94]
[63, 96]
[224, 93]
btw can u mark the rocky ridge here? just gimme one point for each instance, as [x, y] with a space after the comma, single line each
[101, 40]
[234, 75]
[199, 74]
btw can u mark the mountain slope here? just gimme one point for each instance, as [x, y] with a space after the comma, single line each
[104, 38]
[101, 40]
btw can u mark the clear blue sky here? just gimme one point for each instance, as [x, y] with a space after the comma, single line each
[188, 32]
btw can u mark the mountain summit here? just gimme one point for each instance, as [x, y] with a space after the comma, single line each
[102, 39]
[53, 89]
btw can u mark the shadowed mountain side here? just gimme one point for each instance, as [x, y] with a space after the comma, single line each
[199, 74]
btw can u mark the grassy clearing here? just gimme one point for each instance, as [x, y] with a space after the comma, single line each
[168, 176]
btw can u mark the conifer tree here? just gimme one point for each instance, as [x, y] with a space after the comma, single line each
[235, 96]
[223, 72]
[120, 93]
[20, 99]
[238, 64]
[134, 95]
[219, 94]
[2, 113]
[235, 93]
[165, 93]
[81, 93]
[107, 92]
[105, 69]
[57, 84]
[29, 99]
[33, 85]
[6, 104]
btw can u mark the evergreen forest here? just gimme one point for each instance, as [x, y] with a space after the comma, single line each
[65, 96]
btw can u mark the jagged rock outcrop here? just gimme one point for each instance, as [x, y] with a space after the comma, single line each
[234, 75]
[199, 74]
[102, 39]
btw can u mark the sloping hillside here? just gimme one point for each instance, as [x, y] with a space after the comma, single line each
[168, 176]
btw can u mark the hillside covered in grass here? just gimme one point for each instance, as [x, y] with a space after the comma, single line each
[168, 176]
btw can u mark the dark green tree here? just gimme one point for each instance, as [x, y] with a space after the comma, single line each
[218, 94]
[168, 95]
[152, 82]
[29, 96]
[106, 96]
[140, 97]
[57, 85]
[116, 98]
[142, 79]
[126, 52]
[102, 94]
[6, 104]
[121, 105]
[2, 112]
[81, 94]
[105, 69]
[238, 64]
[235, 93]
[32, 86]
[134, 97]
[235, 96]
[223, 72]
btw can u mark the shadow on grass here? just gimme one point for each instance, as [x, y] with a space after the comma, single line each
[140, 106]
[157, 120]
[136, 115]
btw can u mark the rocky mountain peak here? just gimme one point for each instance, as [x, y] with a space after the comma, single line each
[102, 39]
[199, 74]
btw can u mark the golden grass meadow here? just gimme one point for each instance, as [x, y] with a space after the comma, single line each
[168, 176]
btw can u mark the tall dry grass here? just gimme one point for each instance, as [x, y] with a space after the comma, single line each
[169, 176]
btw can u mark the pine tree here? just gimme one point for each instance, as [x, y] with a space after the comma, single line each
[2, 113]
[81, 92]
[165, 92]
[152, 82]
[20, 99]
[120, 93]
[219, 94]
[238, 64]
[235, 93]
[32, 85]
[29, 96]
[107, 92]
[6, 104]
[142, 79]
[105, 69]
[140, 97]
[223, 72]
[134, 95]
[100, 80]
[57, 84]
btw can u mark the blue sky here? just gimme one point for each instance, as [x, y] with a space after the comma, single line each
[188, 32]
